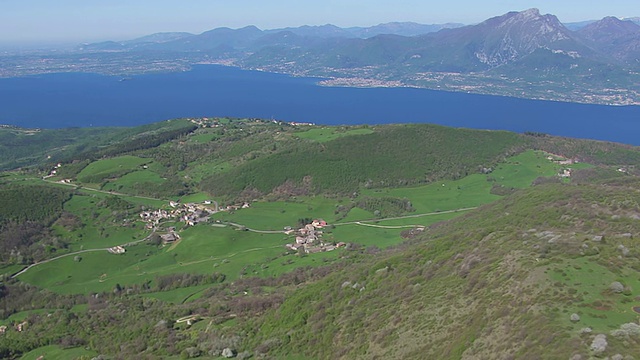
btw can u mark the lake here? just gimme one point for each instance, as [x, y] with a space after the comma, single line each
[74, 99]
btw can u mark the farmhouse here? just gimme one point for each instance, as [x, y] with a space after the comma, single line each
[21, 326]
[116, 250]
[170, 238]
[565, 173]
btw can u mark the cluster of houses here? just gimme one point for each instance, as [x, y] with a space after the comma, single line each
[565, 173]
[190, 214]
[116, 250]
[561, 160]
[205, 122]
[244, 205]
[19, 327]
[53, 172]
[214, 122]
[154, 218]
[309, 238]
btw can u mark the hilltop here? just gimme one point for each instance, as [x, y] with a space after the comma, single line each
[202, 237]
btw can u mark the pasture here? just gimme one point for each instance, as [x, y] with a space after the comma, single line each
[56, 352]
[98, 171]
[599, 307]
[224, 248]
[325, 134]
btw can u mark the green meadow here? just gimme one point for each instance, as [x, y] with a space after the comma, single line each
[94, 234]
[225, 248]
[126, 183]
[473, 190]
[263, 215]
[21, 316]
[56, 352]
[599, 307]
[100, 170]
[202, 249]
[325, 134]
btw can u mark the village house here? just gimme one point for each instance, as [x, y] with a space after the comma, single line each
[21, 326]
[116, 250]
[565, 173]
[169, 238]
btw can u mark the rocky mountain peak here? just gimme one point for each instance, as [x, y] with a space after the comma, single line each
[608, 27]
[516, 34]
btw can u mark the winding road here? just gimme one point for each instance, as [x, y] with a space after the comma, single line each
[76, 253]
[239, 226]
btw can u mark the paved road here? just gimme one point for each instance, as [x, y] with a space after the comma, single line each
[406, 216]
[76, 253]
[102, 191]
[256, 231]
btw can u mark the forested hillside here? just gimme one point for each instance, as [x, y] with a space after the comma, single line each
[388, 157]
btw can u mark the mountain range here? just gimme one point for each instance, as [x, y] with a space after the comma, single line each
[524, 54]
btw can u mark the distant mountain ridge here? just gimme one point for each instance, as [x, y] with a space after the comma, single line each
[515, 54]
[320, 31]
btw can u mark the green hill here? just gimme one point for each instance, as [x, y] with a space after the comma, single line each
[500, 282]
[440, 243]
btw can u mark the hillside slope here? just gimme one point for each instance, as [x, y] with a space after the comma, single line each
[502, 282]
[438, 243]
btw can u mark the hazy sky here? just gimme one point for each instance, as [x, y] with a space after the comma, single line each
[92, 20]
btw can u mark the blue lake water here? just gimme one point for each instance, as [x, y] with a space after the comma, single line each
[67, 100]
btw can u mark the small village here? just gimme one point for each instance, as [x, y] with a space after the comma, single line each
[309, 238]
[189, 213]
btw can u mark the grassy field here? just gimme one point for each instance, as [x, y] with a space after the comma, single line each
[203, 137]
[600, 308]
[10, 269]
[331, 133]
[99, 170]
[278, 214]
[225, 249]
[202, 249]
[474, 190]
[97, 234]
[21, 316]
[126, 183]
[195, 198]
[55, 352]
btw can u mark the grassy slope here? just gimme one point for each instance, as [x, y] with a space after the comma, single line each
[55, 352]
[28, 147]
[222, 249]
[487, 285]
[484, 257]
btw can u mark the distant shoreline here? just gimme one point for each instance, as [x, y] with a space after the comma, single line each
[64, 100]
